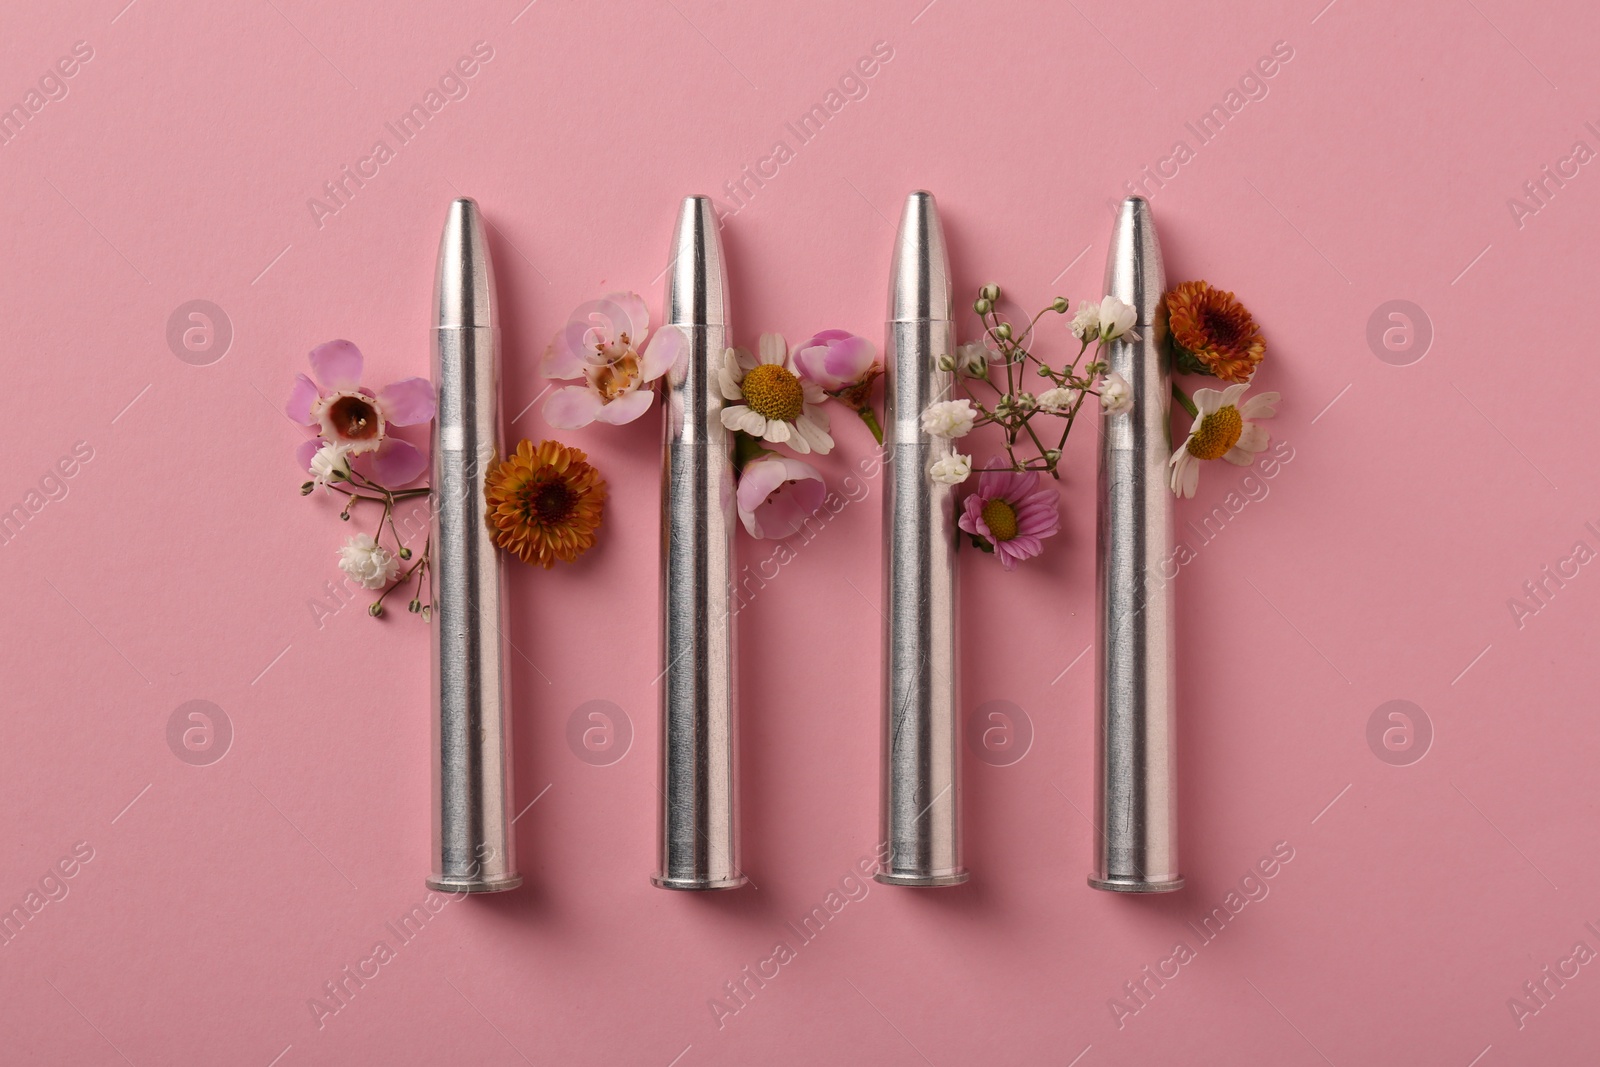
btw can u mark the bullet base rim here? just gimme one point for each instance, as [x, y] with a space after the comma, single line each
[697, 884]
[1135, 885]
[923, 881]
[477, 885]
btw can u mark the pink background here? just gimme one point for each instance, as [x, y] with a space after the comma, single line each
[181, 564]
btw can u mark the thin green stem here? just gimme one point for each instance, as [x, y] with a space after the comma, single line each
[1183, 398]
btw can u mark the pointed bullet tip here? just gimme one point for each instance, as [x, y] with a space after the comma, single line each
[1134, 270]
[697, 287]
[463, 285]
[919, 289]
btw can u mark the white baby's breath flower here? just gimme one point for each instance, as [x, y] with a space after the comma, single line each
[1086, 321]
[330, 463]
[368, 562]
[1058, 401]
[972, 359]
[1116, 320]
[949, 418]
[1116, 395]
[952, 469]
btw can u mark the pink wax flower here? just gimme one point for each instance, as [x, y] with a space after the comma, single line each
[845, 366]
[1012, 514]
[776, 494]
[356, 420]
[601, 343]
[836, 359]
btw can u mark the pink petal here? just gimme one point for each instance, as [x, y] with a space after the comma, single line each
[301, 397]
[662, 352]
[303, 453]
[601, 322]
[572, 407]
[337, 365]
[760, 479]
[835, 358]
[407, 402]
[624, 409]
[561, 359]
[777, 494]
[395, 463]
[635, 317]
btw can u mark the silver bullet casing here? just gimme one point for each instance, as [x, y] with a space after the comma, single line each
[920, 803]
[699, 786]
[473, 848]
[1136, 838]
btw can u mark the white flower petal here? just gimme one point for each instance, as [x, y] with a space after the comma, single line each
[1239, 457]
[814, 435]
[1261, 406]
[772, 348]
[1191, 477]
[1252, 438]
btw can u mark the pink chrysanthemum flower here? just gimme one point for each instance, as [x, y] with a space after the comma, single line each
[1013, 514]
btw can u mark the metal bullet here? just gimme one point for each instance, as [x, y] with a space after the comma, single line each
[473, 846]
[1136, 839]
[699, 824]
[920, 804]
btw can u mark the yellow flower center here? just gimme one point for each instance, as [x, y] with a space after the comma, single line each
[617, 375]
[774, 393]
[1218, 432]
[1001, 518]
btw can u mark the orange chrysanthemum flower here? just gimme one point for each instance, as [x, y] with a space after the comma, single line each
[544, 503]
[1212, 332]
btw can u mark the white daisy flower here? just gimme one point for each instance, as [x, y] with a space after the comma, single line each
[770, 401]
[1224, 429]
[1058, 401]
[951, 470]
[949, 418]
[1116, 395]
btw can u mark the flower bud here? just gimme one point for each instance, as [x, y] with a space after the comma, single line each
[404, 553]
[1003, 331]
[982, 306]
[946, 363]
[307, 487]
[1060, 305]
[415, 607]
[376, 610]
[990, 292]
[1052, 454]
